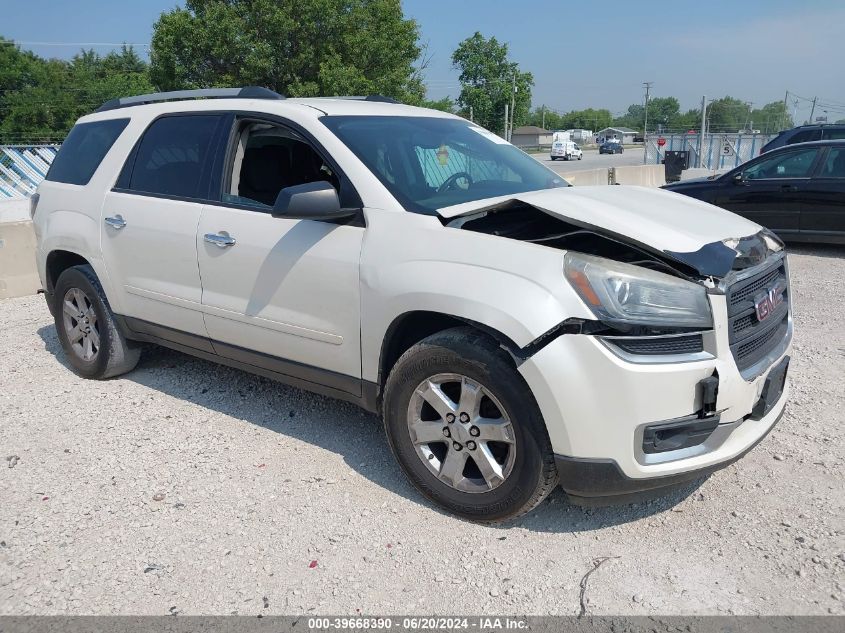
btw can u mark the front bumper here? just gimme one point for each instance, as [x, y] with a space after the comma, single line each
[597, 482]
[597, 406]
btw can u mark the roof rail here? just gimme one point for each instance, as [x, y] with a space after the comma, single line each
[378, 98]
[248, 92]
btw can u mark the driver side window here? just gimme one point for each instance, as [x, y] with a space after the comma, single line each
[785, 165]
[267, 159]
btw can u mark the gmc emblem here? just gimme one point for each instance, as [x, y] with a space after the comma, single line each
[766, 304]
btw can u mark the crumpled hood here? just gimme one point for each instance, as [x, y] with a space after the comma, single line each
[685, 229]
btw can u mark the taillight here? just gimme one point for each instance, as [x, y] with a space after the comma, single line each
[33, 203]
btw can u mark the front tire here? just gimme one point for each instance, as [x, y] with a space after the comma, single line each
[87, 328]
[466, 429]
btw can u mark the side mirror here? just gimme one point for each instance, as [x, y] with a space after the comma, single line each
[739, 178]
[311, 201]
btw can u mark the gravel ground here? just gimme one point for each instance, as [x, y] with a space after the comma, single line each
[186, 487]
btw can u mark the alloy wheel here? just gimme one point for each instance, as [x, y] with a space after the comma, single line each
[80, 323]
[461, 433]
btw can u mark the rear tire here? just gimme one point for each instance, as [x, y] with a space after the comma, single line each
[493, 460]
[87, 328]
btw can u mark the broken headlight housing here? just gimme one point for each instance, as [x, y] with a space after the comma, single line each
[629, 295]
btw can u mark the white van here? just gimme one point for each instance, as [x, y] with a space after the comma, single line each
[567, 150]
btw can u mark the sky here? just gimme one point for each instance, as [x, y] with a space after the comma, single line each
[582, 53]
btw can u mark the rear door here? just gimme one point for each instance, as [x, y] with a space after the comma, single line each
[823, 214]
[149, 223]
[771, 190]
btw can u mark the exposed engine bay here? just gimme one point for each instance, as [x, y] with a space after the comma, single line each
[519, 220]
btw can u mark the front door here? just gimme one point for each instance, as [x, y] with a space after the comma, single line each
[771, 190]
[281, 294]
[149, 223]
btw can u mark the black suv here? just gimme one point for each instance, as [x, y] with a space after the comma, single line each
[798, 191]
[806, 134]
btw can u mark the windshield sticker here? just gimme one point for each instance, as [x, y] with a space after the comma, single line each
[443, 155]
[488, 135]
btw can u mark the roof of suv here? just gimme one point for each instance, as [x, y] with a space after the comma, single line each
[257, 100]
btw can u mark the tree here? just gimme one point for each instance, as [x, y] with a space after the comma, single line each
[41, 99]
[772, 117]
[295, 47]
[488, 78]
[444, 105]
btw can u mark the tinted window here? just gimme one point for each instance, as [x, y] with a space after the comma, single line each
[794, 164]
[84, 150]
[804, 136]
[834, 133]
[171, 155]
[834, 166]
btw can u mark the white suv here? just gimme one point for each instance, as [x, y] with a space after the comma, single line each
[513, 332]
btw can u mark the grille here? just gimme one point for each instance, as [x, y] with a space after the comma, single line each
[668, 345]
[751, 340]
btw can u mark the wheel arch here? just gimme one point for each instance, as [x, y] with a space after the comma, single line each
[409, 328]
[58, 261]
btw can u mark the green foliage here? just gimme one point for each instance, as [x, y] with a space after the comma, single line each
[487, 79]
[772, 117]
[444, 105]
[727, 114]
[295, 47]
[40, 99]
[589, 119]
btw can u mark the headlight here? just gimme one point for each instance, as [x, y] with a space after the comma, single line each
[631, 295]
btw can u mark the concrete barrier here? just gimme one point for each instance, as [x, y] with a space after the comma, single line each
[643, 175]
[586, 176]
[18, 273]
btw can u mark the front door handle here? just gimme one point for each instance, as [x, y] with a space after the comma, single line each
[219, 239]
[790, 188]
[117, 222]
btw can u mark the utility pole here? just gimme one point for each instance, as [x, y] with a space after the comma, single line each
[701, 132]
[507, 138]
[813, 110]
[647, 85]
[513, 103]
[470, 114]
[543, 109]
[785, 110]
[750, 105]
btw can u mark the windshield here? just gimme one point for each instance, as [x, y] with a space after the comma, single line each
[429, 163]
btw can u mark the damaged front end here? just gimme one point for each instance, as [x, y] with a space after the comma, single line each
[714, 268]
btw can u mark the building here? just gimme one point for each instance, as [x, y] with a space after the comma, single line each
[622, 134]
[531, 136]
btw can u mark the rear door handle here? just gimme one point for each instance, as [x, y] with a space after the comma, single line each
[117, 222]
[790, 188]
[219, 239]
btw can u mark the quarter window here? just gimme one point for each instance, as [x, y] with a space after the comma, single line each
[795, 164]
[171, 156]
[84, 150]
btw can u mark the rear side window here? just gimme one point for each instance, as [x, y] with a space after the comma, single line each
[834, 133]
[170, 159]
[805, 136]
[84, 150]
